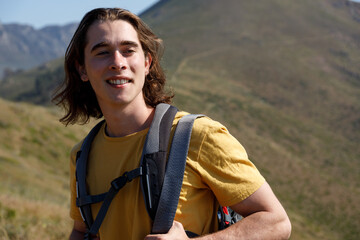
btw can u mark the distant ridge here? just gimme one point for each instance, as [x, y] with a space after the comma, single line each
[23, 47]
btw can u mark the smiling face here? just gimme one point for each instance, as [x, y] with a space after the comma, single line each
[115, 63]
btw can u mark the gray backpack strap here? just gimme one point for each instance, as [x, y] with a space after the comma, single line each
[154, 156]
[152, 138]
[174, 174]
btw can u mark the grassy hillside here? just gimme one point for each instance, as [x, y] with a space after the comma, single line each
[35, 85]
[34, 160]
[282, 76]
[285, 79]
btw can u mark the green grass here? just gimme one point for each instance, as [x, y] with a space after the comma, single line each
[284, 79]
[34, 160]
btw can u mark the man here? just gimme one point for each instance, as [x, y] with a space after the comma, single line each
[113, 71]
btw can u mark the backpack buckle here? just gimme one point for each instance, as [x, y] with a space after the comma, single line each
[119, 182]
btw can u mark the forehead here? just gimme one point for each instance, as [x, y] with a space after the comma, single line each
[111, 32]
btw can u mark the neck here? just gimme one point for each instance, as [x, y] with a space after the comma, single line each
[127, 120]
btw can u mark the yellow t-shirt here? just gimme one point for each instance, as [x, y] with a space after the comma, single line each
[217, 171]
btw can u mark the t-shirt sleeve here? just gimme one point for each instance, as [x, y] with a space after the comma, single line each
[74, 210]
[223, 164]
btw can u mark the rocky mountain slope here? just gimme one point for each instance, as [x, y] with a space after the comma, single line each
[22, 46]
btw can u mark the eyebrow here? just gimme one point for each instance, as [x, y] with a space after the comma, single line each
[122, 43]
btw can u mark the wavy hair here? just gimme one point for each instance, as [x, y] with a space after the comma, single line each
[77, 97]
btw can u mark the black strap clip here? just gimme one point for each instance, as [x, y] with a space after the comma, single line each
[120, 182]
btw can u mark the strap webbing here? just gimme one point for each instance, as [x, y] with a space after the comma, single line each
[170, 193]
[116, 185]
[90, 199]
[81, 170]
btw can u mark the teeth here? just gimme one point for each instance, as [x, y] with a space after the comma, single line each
[118, 81]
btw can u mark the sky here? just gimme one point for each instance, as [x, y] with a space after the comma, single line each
[40, 13]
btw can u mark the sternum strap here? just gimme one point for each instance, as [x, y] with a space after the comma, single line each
[116, 185]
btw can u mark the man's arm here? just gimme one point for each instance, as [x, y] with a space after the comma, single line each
[78, 231]
[264, 218]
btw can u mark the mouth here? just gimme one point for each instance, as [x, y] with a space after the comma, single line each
[118, 82]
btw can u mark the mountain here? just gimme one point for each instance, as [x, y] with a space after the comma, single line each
[284, 78]
[35, 85]
[23, 47]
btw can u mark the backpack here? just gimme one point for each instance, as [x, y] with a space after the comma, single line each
[161, 178]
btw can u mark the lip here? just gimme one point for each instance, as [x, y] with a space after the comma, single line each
[117, 78]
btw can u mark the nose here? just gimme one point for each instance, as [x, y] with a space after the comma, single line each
[118, 61]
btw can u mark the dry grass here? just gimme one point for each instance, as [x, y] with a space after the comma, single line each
[34, 160]
[21, 218]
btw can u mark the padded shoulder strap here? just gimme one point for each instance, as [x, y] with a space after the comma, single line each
[154, 155]
[175, 168]
[153, 138]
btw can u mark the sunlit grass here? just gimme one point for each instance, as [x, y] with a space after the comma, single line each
[34, 182]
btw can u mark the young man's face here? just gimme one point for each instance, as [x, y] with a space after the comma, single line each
[115, 63]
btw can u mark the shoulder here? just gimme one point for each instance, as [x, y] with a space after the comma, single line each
[205, 128]
[202, 124]
[212, 137]
[76, 148]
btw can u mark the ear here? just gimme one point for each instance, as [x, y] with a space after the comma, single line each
[148, 61]
[82, 72]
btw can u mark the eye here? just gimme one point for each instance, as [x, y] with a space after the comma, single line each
[128, 51]
[100, 53]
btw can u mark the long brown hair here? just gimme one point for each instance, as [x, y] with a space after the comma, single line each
[77, 97]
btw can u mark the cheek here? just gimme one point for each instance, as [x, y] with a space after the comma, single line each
[141, 71]
[94, 66]
[138, 63]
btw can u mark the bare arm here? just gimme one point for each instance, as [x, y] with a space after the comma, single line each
[264, 218]
[78, 231]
